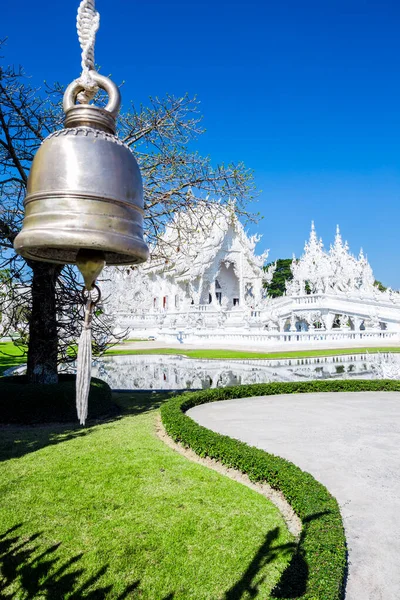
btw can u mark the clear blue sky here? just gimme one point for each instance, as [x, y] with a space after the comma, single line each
[305, 93]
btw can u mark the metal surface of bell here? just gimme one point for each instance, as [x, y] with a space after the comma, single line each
[84, 189]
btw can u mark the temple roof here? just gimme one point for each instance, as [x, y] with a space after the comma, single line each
[192, 240]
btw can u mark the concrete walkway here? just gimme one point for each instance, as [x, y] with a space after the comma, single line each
[350, 442]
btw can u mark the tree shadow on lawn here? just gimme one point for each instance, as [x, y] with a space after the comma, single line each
[293, 581]
[135, 402]
[18, 440]
[30, 568]
[249, 583]
[38, 572]
[9, 360]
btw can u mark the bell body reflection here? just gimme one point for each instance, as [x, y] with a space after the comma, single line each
[84, 189]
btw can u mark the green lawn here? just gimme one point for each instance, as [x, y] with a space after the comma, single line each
[10, 356]
[241, 354]
[111, 512]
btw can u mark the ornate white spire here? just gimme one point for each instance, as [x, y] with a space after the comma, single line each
[338, 245]
[336, 271]
[313, 239]
[309, 272]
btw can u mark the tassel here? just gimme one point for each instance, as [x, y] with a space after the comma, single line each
[84, 364]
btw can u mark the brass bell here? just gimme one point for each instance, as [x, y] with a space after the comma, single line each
[85, 193]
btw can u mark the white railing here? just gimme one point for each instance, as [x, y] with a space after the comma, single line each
[202, 336]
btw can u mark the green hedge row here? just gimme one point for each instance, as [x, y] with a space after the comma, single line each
[28, 403]
[318, 569]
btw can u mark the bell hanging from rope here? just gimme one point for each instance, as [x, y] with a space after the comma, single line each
[84, 202]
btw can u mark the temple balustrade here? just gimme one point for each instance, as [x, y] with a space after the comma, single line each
[276, 338]
[279, 310]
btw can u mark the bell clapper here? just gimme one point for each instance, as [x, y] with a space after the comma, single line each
[90, 263]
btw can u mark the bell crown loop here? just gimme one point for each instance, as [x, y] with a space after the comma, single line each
[77, 115]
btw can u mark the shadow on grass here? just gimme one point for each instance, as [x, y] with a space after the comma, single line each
[132, 402]
[293, 582]
[250, 581]
[9, 360]
[294, 579]
[37, 572]
[18, 440]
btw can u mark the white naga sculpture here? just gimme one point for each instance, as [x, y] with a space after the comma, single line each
[205, 283]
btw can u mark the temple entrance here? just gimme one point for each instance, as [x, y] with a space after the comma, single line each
[228, 285]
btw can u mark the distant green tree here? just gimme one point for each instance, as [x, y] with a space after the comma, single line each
[380, 286]
[282, 274]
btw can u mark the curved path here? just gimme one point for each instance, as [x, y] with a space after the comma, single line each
[350, 442]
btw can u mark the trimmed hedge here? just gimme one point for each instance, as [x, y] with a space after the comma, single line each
[318, 569]
[28, 403]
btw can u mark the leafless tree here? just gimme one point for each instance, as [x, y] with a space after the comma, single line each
[44, 301]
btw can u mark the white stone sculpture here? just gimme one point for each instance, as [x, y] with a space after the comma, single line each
[385, 366]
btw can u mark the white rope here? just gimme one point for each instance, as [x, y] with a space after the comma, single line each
[87, 24]
[84, 364]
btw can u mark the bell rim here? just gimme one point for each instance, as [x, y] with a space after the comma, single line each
[134, 251]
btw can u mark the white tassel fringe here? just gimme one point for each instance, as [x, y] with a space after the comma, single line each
[84, 368]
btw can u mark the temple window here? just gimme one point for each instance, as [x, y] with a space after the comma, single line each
[219, 297]
[209, 298]
[154, 302]
[165, 302]
[176, 301]
[236, 302]
[249, 291]
[217, 285]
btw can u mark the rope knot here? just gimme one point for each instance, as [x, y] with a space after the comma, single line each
[87, 23]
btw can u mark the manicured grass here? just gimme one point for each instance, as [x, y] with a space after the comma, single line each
[10, 356]
[111, 512]
[241, 354]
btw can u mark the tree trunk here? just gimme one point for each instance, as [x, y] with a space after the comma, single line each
[43, 338]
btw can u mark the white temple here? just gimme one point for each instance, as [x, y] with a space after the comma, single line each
[208, 287]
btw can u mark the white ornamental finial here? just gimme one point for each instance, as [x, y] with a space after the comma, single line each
[313, 240]
[338, 238]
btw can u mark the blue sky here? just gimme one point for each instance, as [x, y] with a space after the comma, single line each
[307, 94]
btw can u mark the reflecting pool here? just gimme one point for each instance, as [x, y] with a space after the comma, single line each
[170, 372]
